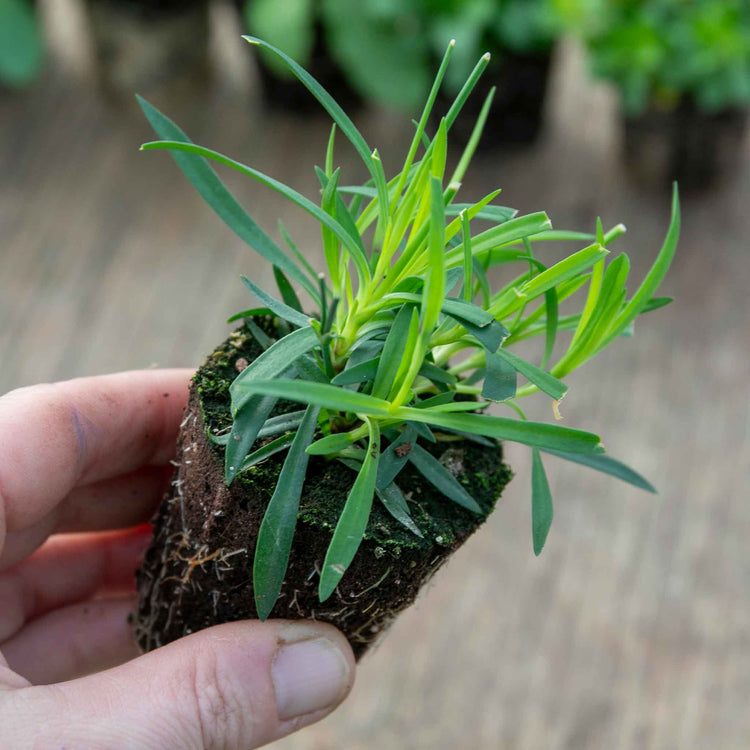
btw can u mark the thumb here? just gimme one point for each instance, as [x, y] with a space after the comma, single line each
[238, 685]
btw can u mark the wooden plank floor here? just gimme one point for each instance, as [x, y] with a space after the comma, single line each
[632, 630]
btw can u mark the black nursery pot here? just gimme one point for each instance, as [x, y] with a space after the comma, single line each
[517, 112]
[288, 94]
[686, 144]
[198, 570]
[145, 45]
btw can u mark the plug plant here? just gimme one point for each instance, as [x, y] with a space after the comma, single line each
[403, 342]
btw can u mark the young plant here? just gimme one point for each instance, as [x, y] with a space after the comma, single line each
[405, 341]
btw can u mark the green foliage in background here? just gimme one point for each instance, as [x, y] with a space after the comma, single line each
[658, 51]
[21, 52]
[388, 49]
[408, 342]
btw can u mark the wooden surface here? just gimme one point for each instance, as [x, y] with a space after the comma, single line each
[632, 630]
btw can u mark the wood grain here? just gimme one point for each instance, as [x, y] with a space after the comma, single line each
[632, 630]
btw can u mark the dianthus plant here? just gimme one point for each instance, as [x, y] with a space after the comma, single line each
[407, 342]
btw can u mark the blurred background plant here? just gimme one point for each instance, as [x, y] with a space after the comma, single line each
[682, 70]
[21, 48]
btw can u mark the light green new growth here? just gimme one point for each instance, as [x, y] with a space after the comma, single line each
[378, 365]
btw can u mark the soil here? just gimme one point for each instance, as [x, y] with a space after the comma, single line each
[517, 112]
[685, 143]
[198, 571]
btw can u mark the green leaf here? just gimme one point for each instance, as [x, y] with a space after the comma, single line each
[359, 373]
[496, 214]
[331, 444]
[268, 450]
[326, 396]
[490, 337]
[564, 270]
[656, 303]
[541, 502]
[500, 379]
[393, 353]
[393, 460]
[281, 423]
[213, 191]
[541, 379]
[248, 421]
[352, 523]
[284, 311]
[437, 374]
[360, 260]
[395, 503]
[263, 339]
[332, 107]
[432, 298]
[277, 528]
[440, 478]
[271, 363]
[653, 278]
[539, 434]
[607, 465]
[286, 290]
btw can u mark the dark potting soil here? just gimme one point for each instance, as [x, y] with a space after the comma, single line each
[198, 571]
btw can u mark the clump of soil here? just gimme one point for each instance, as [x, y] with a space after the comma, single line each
[198, 570]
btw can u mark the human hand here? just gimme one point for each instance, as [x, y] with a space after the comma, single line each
[82, 464]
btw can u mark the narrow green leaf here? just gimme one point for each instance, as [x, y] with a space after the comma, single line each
[213, 191]
[360, 261]
[490, 337]
[496, 214]
[284, 311]
[248, 421]
[608, 465]
[263, 339]
[541, 379]
[393, 353]
[440, 478]
[359, 373]
[564, 270]
[500, 379]
[437, 374]
[271, 363]
[331, 444]
[268, 450]
[395, 503]
[286, 290]
[653, 278]
[352, 523]
[395, 456]
[656, 303]
[281, 423]
[541, 502]
[324, 395]
[277, 528]
[539, 434]
[432, 299]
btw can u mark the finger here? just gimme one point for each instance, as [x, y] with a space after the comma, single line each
[73, 641]
[83, 431]
[110, 504]
[69, 568]
[238, 685]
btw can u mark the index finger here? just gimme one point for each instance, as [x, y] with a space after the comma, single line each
[59, 436]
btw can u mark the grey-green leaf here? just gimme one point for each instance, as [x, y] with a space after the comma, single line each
[541, 502]
[277, 528]
[437, 475]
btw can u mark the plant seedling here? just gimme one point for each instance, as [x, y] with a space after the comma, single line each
[405, 342]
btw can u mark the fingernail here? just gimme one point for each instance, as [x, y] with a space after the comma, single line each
[308, 676]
